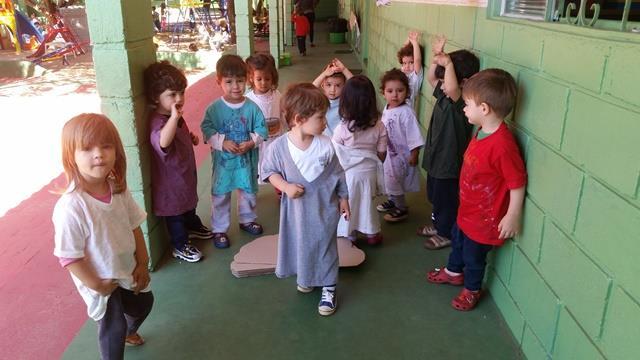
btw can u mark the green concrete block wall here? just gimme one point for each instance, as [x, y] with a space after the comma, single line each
[568, 286]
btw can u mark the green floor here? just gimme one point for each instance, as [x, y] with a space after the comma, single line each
[386, 310]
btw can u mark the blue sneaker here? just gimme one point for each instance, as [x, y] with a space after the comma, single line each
[188, 253]
[328, 301]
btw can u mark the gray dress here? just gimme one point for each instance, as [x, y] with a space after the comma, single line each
[307, 243]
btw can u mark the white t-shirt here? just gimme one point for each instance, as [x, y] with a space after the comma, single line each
[269, 104]
[101, 233]
[415, 82]
[312, 162]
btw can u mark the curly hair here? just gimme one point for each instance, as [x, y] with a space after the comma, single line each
[161, 76]
[358, 106]
[407, 50]
[394, 74]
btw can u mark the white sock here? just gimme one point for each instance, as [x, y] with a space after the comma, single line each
[451, 273]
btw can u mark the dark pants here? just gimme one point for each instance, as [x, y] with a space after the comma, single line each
[469, 257]
[302, 46]
[125, 313]
[443, 196]
[179, 226]
[312, 18]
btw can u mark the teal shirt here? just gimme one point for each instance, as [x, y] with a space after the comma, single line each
[231, 171]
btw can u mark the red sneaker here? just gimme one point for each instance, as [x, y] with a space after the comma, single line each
[375, 239]
[440, 276]
[466, 300]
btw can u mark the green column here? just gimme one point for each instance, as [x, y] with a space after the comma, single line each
[244, 28]
[275, 42]
[121, 32]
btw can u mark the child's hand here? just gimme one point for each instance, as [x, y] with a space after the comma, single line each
[176, 111]
[442, 59]
[230, 146]
[294, 190]
[338, 65]
[414, 36]
[344, 209]
[329, 70]
[194, 139]
[243, 147]
[437, 45]
[106, 287]
[140, 278]
[413, 158]
[509, 226]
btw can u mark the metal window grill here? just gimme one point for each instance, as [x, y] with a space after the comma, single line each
[529, 9]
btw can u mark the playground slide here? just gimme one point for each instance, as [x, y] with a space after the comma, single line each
[26, 27]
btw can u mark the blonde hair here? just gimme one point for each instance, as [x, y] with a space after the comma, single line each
[85, 131]
[302, 99]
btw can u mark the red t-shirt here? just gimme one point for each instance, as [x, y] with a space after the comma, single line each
[301, 24]
[490, 169]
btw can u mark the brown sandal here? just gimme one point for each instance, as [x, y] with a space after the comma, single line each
[436, 242]
[134, 340]
[427, 230]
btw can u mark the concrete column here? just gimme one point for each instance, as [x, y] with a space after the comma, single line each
[275, 38]
[121, 33]
[287, 9]
[244, 28]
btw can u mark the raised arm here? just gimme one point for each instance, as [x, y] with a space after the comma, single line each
[437, 48]
[343, 69]
[414, 38]
[328, 71]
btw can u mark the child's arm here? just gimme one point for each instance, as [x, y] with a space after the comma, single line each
[292, 190]
[510, 224]
[343, 69]
[141, 271]
[328, 71]
[450, 85]
[344, 209]
[437, 48]
[84, 271]
[413, 157]
[168, 132]
[417, 56]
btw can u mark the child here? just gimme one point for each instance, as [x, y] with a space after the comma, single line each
[447, 138]
[156, 19]
[263, 81]
[492, 178]
[97, 233]
[173, 165]
[331, 81]
[360, 141]
[302, 29]
[410, 58]
[234, 126]
[303, 165]
[404, 143]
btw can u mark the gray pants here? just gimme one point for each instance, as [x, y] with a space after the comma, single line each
[125, 313]
[221, 210]
[399, 200]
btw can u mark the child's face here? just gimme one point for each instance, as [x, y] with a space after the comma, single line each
[407, 64]
[395, 93]
[262, 81]
[233, 88]
[474, 112]
[332, 87]
[95, 163]
[167, 99]
[313, 125]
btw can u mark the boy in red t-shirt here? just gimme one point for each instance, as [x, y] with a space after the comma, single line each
[492, 182]
[302, 29]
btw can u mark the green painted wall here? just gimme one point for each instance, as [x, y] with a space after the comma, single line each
[567, 287]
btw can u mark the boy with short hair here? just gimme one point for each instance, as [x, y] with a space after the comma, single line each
[234, 127]
[492, 179]
[331, 80]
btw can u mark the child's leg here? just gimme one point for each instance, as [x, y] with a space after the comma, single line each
[456, 261]
[475, 261]
[444, 198]
[246, 207]
[220, 212]
[301, 44]
[112, 328]
[399, 201]
[136, 308]
[177, 230]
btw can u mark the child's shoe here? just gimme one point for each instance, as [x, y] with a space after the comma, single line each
[201, 233]
[188, 253]
[221, 240]
[304, 289]
[440, 276]
[386, 206]
[252, 228]
[134, 340]
[396, 215]
[466, 300]
[374, 240]
[328, 301]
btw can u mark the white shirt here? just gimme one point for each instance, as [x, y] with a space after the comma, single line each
[415, 82]
[101, 233]
[312, 161]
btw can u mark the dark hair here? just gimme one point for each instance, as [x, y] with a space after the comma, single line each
[394, 74]
[494, 87]
[465, 64]
[231, 66]
[338, 75]
[358, 106]
[161, 76]
[302, 99]
[407, 50]
[262, 62]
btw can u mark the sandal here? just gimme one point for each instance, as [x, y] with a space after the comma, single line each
[396, 215]
[221, 240]
[436, 242]
[427, 230]
[466, 300]
[252, 228]
[440, 276]
[134, 340]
